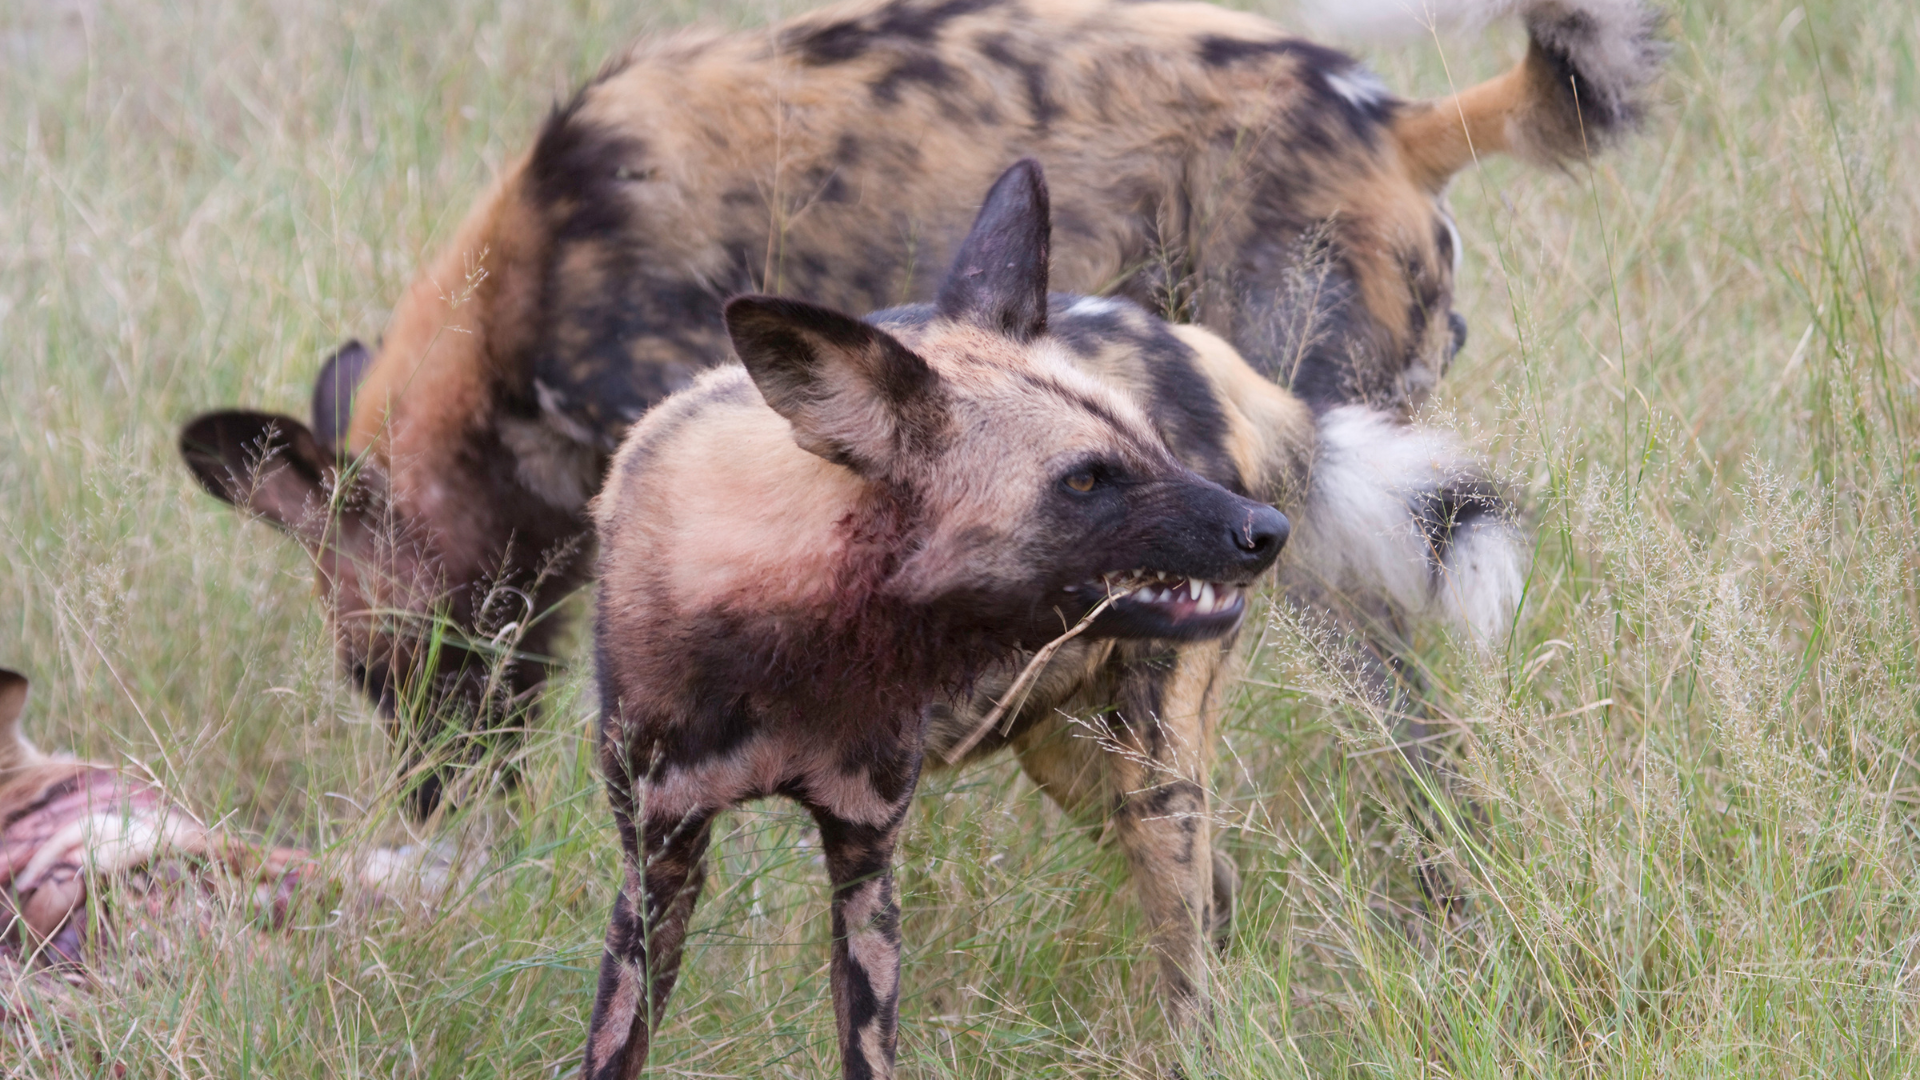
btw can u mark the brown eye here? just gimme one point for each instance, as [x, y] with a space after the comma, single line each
[1081, 481]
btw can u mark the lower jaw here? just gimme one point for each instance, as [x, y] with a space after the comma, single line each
[1168, 621]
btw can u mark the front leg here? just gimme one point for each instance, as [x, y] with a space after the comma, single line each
[664, 869]
[866, 929]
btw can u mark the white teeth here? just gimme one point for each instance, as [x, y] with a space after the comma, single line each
[1206, 597]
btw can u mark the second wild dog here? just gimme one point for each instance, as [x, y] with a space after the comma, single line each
[1218, 170]
[800, 555]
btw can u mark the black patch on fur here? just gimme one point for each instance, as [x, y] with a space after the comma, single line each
[1317, 66]
[1183, 407]
[892, 768]
[1033, 76]
[609, 353]
[1443, 241]
[1187, 412]
[1459, 504]
[922, 68]
[1312, 344]
[899, 22]
[574, 170]
[1071, 397]
[834, 43]
[835, 190]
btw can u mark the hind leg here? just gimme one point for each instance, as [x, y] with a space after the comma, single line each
[1226, 885]
[665, 867]
[1146, 768]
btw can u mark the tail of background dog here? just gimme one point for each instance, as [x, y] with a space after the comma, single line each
[1582, 84]
[1401, 512]
[15, 751]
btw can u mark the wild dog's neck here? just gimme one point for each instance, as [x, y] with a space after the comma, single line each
[866, 644]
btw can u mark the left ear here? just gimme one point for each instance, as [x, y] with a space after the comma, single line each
[999, 277]
[853, 394]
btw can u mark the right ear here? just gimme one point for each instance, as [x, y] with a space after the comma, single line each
[15, 751]
[999, 277]
[333, 396]
[269, 464]
[853, 394]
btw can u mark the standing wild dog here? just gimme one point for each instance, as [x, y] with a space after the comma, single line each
[1214, 169]
[800, 555]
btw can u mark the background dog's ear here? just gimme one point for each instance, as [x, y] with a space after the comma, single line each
[15, 751]
[333, 396]
[269, 464]
[999, 278]
[853, 394]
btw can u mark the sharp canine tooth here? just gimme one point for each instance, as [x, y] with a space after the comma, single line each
[1193, 589]
[1206, 598]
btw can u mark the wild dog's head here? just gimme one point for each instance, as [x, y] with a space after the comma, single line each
[440, 649]
[1035, 490]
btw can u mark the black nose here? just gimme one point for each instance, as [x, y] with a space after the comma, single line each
[1262, 534]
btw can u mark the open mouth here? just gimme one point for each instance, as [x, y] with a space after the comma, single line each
[1163, 604]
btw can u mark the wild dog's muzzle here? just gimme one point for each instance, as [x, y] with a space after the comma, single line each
[1194, 581]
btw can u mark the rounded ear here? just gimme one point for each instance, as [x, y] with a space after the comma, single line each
[13, 697]
[853, 394]
[333, 395]
[999, 277]
[261, 462]
[15, 751]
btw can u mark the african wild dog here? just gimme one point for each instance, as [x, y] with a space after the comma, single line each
[65, 825]
[1214, 169]
[101, 858]
[800, 555]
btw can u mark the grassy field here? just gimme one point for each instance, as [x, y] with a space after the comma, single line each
[1695, 774]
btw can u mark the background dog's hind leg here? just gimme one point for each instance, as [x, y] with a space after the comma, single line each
[662, 881]
[1146, 772]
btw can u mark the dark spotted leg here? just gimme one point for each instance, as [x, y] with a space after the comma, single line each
[866, 938]
[662, 882]
[1147, 772]
[1163, 812]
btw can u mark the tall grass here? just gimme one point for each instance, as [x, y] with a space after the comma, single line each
[1680, 808]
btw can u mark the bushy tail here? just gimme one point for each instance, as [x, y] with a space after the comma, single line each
[1400, 512]
[1581, 86]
